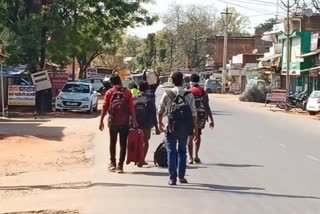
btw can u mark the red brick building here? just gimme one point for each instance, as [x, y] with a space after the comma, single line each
[237, 45]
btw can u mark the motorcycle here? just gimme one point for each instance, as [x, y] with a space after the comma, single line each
[296, 101]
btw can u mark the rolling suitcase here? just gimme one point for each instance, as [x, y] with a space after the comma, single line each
[135, 147]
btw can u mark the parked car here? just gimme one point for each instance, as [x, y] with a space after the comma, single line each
[313, 104]
[97, 84]
[212, 86]
[77, 96]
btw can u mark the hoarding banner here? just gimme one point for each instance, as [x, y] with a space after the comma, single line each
[58, 80]
[21, 95]
[41, 80]
[91, 72]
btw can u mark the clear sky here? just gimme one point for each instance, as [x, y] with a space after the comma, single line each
[257, 10]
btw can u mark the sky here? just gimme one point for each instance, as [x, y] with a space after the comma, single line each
[257, 10]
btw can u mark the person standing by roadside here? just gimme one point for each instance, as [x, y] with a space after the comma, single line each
[203, 112]
[146, 115]
[179, 105]
[118, 103]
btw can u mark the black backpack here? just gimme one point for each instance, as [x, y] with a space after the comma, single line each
[202, 115]
[180, 115]
[160, 156]
[145, 111]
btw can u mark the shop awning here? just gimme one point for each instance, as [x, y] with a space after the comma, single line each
[270, 58]
[310, 69]
[312, 53]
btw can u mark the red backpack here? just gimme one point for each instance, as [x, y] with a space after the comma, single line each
[119, 108]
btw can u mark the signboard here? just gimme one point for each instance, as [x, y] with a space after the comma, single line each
[277, 97]
[41, 80]
[58, 80]
[91, 72]
[314, 41]
[314, 73]
[292, 73]
[21, 95]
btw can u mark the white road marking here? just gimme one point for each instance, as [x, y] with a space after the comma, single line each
[312, 158]
[283, 146]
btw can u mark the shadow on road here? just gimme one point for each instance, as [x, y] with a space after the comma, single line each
[149, 173]
[239, 190]
[11, 129]
[232, 165]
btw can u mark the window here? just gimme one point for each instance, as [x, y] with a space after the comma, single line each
[76, 88]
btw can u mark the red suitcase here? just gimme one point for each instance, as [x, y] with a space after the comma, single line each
[135, 144]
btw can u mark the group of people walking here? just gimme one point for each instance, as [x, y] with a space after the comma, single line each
[187, 112]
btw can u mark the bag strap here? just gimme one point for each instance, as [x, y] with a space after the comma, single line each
[171, 94]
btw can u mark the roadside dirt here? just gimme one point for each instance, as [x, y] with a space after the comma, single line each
[23, 154]
[45, 163]
[47, 212]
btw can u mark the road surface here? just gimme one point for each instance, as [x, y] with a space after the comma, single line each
[255, 161]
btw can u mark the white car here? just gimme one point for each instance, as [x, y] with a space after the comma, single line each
[77, 96]
[313, 105]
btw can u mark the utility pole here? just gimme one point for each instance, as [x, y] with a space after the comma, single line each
[226, 21]
[277, 13]
[288, 6]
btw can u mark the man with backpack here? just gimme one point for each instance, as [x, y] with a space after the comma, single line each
[118, 103]
[178, 104]
[203, 112]
[146, 115]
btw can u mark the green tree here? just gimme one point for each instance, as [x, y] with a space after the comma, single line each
[266, 26]
[63, 29]
[238, 25]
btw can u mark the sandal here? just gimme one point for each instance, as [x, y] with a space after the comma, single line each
[190, 161]
[197, 160]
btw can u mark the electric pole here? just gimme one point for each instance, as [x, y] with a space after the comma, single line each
[277, 14]
[226, 21]
[288, 6]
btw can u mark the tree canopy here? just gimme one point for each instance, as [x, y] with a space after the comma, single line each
[47, 30]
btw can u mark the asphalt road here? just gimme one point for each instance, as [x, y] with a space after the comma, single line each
[254, 162]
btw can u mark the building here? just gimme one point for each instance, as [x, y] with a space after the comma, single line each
[237, 45]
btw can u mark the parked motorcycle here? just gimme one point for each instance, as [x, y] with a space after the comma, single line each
[296, 101]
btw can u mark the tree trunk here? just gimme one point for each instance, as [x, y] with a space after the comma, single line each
[43, 39]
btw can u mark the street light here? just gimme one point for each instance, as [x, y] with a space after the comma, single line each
[2, 85]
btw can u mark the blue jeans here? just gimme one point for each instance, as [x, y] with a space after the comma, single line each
[174, 155]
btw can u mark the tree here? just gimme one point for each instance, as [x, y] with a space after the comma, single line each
[266, 26]
[238, 26]
[63, 29]
[188, 30]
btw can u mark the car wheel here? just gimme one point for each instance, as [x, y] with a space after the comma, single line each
[95, 109]
[313, 113]
[209, 90]
[90, 109]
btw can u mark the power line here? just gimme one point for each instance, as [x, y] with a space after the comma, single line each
[246, 7]
[263, 3]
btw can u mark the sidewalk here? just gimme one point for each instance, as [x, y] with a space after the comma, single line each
[262, 107]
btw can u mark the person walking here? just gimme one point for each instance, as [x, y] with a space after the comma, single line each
[203, 112]
[118, 102]
[178, 104]
[152, 87]
[134, 89]
[146, 115]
